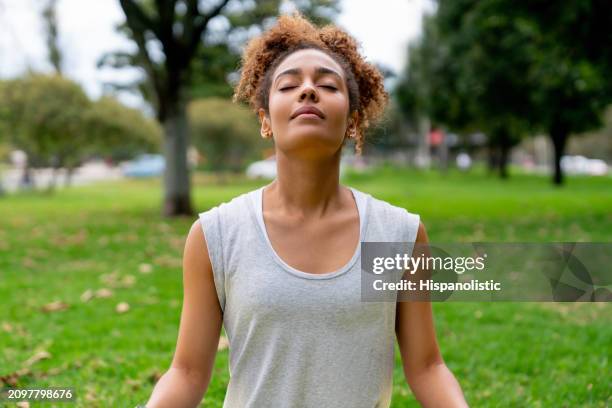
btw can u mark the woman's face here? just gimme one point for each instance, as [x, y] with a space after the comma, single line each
[307, 78]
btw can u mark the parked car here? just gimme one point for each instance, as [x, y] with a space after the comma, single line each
[583, 165]
[145, 165]
[262, 168]
[267, 168]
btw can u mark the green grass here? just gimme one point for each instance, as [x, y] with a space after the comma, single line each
[503, 354]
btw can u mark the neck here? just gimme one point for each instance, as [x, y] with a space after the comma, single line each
[305, 188]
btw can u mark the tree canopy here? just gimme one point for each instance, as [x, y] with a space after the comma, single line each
[184, 48]
[56, 124]
[512, 69]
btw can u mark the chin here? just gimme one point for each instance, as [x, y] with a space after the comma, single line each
[310, 143]
[310, 132]
[311, 136]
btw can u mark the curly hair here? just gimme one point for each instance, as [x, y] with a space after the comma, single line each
[263, 54]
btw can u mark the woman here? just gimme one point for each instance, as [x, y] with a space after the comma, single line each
[279, 266]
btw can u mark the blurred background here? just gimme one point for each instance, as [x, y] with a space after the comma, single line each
[117, 128]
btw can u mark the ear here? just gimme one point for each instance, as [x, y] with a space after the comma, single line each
[266, 126]
[353, 121]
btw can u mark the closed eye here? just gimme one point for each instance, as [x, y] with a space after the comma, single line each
[322, 86]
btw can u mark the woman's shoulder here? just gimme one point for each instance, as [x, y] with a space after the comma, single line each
[390, 220]
[230, 217]
[232, 207]
[383, 206]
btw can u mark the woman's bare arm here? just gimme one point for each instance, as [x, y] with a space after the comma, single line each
[431, 381]
[186, 381]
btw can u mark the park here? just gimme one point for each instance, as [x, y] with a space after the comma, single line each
[60, 247]
[498, 129]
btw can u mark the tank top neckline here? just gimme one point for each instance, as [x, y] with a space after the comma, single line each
[361, 202]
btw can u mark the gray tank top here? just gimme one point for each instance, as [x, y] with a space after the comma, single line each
[298, 339]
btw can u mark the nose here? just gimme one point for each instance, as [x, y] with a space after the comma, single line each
[309, 91]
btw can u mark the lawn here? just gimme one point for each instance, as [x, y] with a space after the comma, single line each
[86, 250]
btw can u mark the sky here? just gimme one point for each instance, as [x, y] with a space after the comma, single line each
[87, 31]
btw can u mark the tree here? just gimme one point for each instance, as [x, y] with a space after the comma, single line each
[460, 77]
[513, 69]
[391, 133]
[55, 54]
[4, 147]
[45, 116]
[119, 132]
[169, 34]
[570, 72]
[54, 122]
[227, 134]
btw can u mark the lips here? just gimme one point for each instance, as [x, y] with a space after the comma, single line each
[307, 109]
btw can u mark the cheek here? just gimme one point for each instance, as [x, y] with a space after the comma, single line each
[340, 108]
[339, 102]
[278, 106]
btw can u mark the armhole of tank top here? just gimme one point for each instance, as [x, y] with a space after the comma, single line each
[209, 221]
[413, 222]
[363, 203]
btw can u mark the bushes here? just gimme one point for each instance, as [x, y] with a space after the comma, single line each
[55, 123]
[226, 134]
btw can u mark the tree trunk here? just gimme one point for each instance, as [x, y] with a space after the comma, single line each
[27, 178]
[504, 153]
[558, 134]
[68, 176]
[51, 186]
[443, 151]
[177, 199]
[503, 162]
[492, 158]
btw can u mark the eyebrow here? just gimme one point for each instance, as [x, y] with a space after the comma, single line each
[318, 71]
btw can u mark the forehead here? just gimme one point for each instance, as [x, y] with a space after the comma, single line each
[308, 60]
